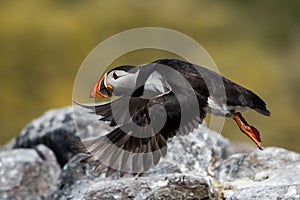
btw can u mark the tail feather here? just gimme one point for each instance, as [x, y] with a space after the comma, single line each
[237, 95]
[257, 104]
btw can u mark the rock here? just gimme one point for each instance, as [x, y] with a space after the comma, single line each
[75, 171]
[273, 173]
[201, 165]
[201, 151]
[28, 173]
[57, 130]
[172, 186]
[53, 129]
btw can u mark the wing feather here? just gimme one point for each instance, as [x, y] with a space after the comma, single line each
[134, 151]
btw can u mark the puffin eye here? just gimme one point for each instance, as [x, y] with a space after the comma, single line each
[115, 76]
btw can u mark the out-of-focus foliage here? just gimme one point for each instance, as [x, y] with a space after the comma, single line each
[255, 43]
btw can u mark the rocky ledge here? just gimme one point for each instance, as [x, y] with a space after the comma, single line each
[39, 164]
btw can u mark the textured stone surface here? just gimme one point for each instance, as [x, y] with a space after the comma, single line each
[52, 129]
[172, 186]
[28, 173]
[198, 166]
[57, 130]
[268, 174]
[200, 151]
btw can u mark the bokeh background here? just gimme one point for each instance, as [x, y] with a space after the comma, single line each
[254, 43]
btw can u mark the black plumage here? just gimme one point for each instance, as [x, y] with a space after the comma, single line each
[180, 109]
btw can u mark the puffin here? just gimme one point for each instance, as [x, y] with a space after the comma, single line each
[154, 102]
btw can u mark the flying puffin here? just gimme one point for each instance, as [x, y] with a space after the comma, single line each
[155, 102]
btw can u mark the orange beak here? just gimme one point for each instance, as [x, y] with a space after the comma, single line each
[100, 90]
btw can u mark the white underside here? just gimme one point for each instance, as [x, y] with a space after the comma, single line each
[223, 109]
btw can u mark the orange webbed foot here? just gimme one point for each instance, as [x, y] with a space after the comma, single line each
[248, 130]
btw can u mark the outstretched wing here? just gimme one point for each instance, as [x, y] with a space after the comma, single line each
[144, 126]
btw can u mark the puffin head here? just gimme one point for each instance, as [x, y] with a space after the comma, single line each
[116, 82]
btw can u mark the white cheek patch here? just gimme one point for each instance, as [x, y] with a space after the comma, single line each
[121, 73]
[125, 84]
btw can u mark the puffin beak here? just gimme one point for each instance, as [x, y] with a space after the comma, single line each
[101, 89]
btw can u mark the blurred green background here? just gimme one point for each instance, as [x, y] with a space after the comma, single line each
[254, 43]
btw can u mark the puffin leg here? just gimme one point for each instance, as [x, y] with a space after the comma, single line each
[248, 130]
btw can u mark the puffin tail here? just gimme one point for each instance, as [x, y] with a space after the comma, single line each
[264, 111]
[257, 104]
